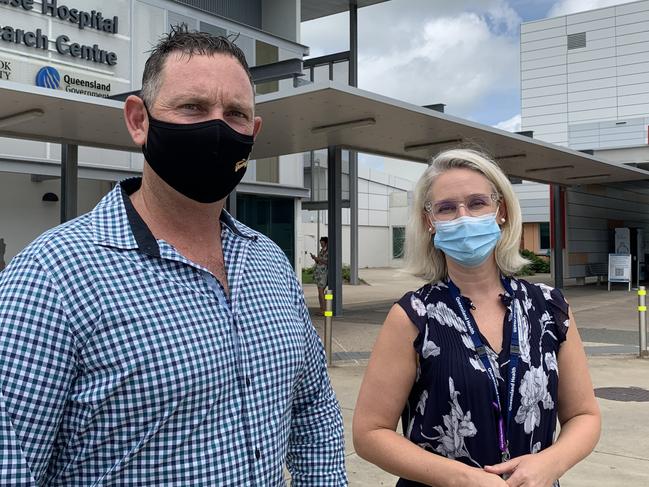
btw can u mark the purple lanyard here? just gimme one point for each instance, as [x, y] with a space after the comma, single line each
[514, 354]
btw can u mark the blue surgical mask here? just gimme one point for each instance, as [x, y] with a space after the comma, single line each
[467, 240]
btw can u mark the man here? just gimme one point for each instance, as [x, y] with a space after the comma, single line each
[156, 340]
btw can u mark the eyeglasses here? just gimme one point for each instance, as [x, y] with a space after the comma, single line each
[474, 204]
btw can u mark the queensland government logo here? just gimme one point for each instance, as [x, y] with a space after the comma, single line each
[48, 77]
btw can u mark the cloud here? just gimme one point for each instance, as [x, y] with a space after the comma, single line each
[453, 60]
[459, 52]
[510, 125]
[566, 7]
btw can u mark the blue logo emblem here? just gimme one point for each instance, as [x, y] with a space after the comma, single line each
[48, 77]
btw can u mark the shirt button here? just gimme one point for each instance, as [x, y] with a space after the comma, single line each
[257, 453]
[248, 381]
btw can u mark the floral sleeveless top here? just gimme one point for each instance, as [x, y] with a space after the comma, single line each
[449, 411]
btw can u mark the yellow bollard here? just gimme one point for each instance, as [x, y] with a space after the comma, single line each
[642, 321]
[328, 314]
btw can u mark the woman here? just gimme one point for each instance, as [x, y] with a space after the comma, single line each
[320, 271]
[472, 360]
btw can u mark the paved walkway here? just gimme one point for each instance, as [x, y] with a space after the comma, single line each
[609, 327]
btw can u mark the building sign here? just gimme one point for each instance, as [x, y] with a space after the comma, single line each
[64, 45]
[49, 77]
[619, 269]
[5, 70]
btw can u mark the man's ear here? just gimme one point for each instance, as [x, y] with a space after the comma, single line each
[257, 127]
[137, 121]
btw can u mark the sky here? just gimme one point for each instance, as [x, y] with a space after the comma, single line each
[464, 53]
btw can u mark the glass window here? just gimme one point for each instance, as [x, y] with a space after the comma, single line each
[398, 239]
[544, 231]
[247, 45]
[341, 72]
[274, 217]
[175, 19]
[268, 170]
[212, 29]
[266, 54]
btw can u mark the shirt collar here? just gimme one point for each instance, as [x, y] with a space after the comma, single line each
[118, 224]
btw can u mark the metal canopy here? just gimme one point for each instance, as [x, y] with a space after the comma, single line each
[314, 9]
[314, 117]
[30, 112]
[328, 114]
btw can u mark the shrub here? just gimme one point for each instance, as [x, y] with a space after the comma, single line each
[307, 274]
[537, 264]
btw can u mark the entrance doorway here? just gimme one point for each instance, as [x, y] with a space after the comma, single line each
[274, 217]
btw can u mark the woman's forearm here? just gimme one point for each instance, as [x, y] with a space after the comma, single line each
[395, 454]
[576, 441]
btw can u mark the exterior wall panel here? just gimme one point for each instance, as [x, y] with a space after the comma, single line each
[590, 26]
[544, 91]
[632, 110]
[581, 55]
[575, 77]
[635, 17]
[561, 79]
[544, 24]
[592, 65]
[586, 105]
[543, 110]
[596, 114]
[632, 7]
[553, 138]
[589, 95]
[636, 47]
[544, 44]
[630, 28]
[545, 34]
[636, 99]
[543, 72]
[622, 40]
[547, 119]
[547, 52]
[636, 58]
[594, 35]
[549, 100]
[544, 63]
[633, 79]
[632, 69]
[245, 11]
[589, 16]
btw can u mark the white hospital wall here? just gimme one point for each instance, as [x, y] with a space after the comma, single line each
[23, 214]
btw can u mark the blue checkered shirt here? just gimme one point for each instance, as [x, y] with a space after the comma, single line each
[124, 363]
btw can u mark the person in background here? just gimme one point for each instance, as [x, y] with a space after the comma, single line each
[477, 363]
[157, 341]
[320, 273]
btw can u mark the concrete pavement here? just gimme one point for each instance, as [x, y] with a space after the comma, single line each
[608, 324]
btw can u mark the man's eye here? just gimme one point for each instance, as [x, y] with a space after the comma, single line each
[236, 113]
[190, 106]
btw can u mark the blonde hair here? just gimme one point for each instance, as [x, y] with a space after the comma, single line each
[421, 256]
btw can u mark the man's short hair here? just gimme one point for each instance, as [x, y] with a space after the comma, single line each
[180, 40]
[325, 240]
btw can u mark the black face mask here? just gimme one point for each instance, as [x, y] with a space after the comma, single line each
[203, 161]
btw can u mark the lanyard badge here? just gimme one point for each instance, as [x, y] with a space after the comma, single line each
[514, 352]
